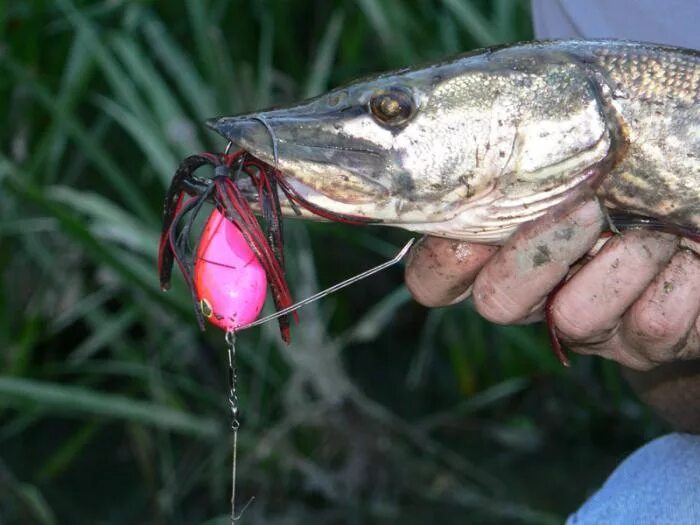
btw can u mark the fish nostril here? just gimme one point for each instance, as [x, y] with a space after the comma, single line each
[335, 99]
[230, 127]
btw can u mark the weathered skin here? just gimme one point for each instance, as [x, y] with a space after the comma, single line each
[493, 139]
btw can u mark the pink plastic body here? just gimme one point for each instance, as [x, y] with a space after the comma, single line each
[230, 282]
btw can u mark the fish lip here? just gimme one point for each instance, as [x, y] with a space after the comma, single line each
[287, 208]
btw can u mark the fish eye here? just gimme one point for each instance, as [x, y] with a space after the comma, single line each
[392, 107]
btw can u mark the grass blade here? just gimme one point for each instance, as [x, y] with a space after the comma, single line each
[108, 220]
[78, 401]
[147, 138]
[174, 126]
[89, 147]
[198, 93]
[476, 24]
[75, 228]
[320, 72]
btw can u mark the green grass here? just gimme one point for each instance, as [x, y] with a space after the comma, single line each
[112, 403]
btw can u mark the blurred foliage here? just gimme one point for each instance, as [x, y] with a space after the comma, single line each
[112, 403]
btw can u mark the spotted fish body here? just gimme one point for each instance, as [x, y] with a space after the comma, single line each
[656, 92]
[471, 147]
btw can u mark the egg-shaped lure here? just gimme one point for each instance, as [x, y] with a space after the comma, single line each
[237, 256]
[230, 283]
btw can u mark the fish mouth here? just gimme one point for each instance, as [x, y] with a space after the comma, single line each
[310, 151]
[288, 207]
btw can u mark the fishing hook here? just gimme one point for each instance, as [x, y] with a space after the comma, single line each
[323, 293]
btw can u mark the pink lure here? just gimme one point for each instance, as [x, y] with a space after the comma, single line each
[230, 282]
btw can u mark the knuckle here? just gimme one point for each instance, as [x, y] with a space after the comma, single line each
[688, 348]
[421, 294]
[657, 328]
[614, 349]
[658, 339]
[494, 304]
[572, 325]
[637, 362]
[654, 330]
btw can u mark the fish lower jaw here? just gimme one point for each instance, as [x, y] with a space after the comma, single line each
[495, 217]
[485, 225]
[477, 234]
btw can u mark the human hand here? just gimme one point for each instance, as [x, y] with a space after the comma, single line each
[637, 301]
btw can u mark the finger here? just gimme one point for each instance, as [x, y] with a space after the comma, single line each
[589, 307]
[661, 324]
[517, 279]
[618, 349]
[439, 271]
[693, 246]
[615, 348]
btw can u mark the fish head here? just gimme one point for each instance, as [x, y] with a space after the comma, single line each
[419, 148]
[353, 149]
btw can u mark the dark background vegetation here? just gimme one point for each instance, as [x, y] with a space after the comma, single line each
[112, 403]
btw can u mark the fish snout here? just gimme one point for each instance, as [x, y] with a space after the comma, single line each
[311, 152]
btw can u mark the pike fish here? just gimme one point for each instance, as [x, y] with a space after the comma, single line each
[471, 147]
